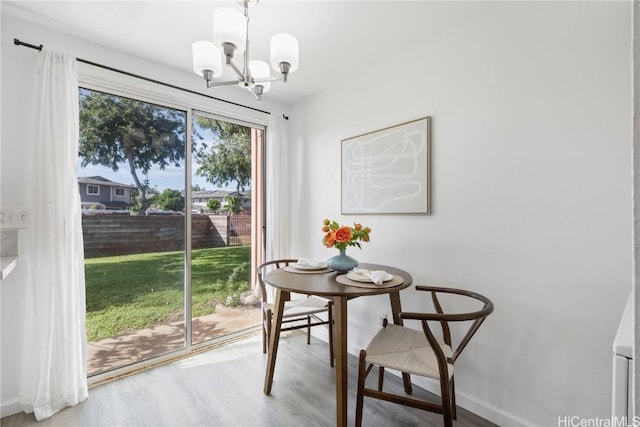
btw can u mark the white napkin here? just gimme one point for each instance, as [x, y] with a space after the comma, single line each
[376, 276]
[306, 262]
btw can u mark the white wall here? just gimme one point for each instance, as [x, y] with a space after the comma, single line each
[18, 75]
[531, 114]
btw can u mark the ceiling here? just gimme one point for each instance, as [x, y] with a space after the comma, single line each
[339, 40]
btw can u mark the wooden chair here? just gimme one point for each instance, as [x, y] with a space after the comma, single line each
[298, 313]
[420, 353]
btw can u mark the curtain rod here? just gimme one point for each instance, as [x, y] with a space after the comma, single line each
[18, 42]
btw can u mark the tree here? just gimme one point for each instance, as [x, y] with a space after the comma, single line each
[170, 200]
[117, 131]
[136, 199]
[227, 158]
[234, 204]
[213, 205]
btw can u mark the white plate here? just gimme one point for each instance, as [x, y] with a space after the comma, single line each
[359, 277]
[316, 266]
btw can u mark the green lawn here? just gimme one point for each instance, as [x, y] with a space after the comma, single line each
[132, 292]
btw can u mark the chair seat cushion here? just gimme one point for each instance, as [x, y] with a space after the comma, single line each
[407, 350]
[301, 307]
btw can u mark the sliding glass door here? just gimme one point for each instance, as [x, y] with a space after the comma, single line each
[167, 235]
[131, 182]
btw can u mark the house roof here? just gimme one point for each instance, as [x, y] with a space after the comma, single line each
[218, 194]
[99, 180]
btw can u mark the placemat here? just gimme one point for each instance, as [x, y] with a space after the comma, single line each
[397, 280]
[292, 269]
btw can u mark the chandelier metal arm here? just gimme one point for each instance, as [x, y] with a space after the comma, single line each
[241, 80]
[269, 79]
[240, 74]
[212, 83]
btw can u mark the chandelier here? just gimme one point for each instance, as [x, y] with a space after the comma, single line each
[231, 37]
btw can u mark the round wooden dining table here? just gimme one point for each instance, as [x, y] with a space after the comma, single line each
[327, 285]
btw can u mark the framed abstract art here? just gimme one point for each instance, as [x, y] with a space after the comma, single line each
[387, 171]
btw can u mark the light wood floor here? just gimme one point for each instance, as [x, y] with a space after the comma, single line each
[223, 387]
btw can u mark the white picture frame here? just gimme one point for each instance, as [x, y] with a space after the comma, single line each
[387, 171]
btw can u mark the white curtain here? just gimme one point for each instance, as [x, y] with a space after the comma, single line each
[277, 201]
[54, 372]
[278, 190]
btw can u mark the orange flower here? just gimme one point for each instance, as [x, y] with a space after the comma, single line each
[340, 237]
[343, 234]
[330, 239]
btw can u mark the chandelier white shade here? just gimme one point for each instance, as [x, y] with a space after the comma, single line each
[206, 56]
[284, 49]
[230, 37]
[229, 27]
[260, 70]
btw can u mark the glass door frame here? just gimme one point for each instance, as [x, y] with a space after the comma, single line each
[258, 179]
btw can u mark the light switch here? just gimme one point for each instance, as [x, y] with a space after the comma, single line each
[14, 218]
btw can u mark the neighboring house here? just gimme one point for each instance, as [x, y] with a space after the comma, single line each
[201, 198]
[100, 193]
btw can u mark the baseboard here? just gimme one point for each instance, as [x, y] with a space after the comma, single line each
[10, 407]
[481, 408]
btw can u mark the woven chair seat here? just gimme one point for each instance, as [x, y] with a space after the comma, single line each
[406, 350]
